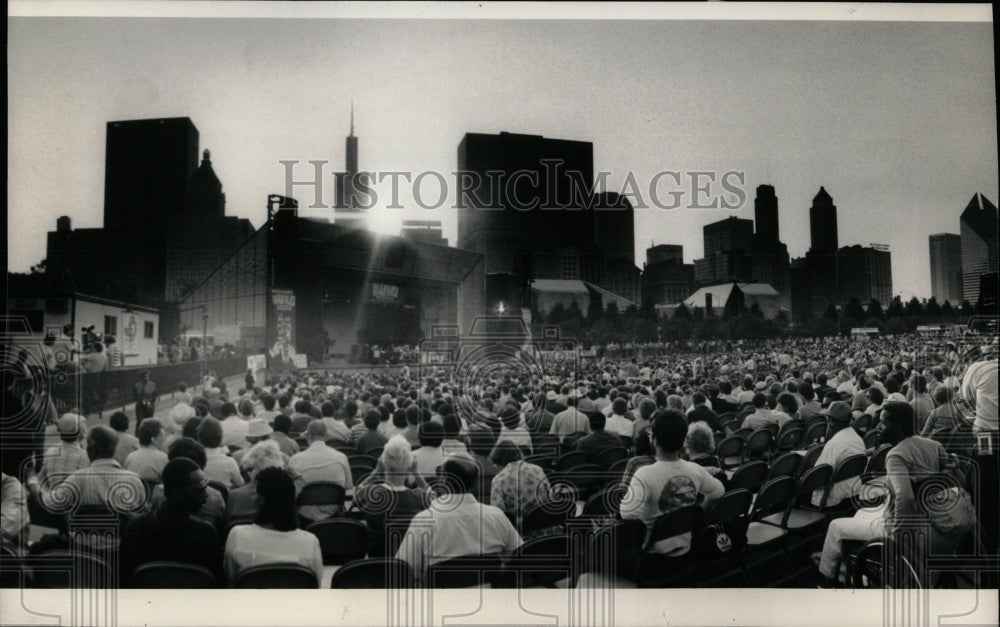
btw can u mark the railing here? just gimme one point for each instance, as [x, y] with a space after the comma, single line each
[91, 392]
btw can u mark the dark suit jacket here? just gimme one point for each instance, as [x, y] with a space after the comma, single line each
[171, 535]
[595, 442]
[705, 414]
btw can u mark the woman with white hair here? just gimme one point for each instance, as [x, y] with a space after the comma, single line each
[392, 494]
[700, 448]
[242, 501]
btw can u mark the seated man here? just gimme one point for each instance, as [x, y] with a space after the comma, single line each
[762, 416]
[63, 460]
[126, 441]
[104, 483]
[669, 483]
[598, 439]
[213, 511]
[320, 462]
[219, 465]
[429, 456]
[171, 533]
[456, 524]
[843, 442]
[149, 460]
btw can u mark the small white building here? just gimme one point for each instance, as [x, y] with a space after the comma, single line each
[135, 328]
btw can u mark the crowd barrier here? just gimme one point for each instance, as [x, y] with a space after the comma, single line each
[92, 392]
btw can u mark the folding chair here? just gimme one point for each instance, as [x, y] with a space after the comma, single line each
[613, 551]
[786, 465]
[732, 508]
[347, 450]
[467, 571]
[283, 576]
[552, 513]
[570, 460]
[541, 561]
[750, 476]
[810, 457]
[729, 452]
[222, 488]
[848, 468]
[815, 433]
[341, 540]
[609, 456]
[876, 463]
[664, 571]
[774, 498]
[71, 569]
[380, 573]
[584, 479]
[362, 461]
[789, 440]
[758, 444]
[170, 575]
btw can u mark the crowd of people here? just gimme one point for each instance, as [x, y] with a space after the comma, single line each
[215, 480]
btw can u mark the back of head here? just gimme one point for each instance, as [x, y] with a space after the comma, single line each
[316, 430]
[190, 448]
[505, 453]
[669, 430]
[210, 433]
[276, 490]
[646, 408]
[373, 418]
[399, 418]
[397, 456]
[149, 430]
[597, 420]
[262, 455]
[700, 439]
[190, 429]
[900, 422]
[452, 426]
[431, 434]
[119, 421]
[481, 439]
[282, 424]
[228, 409]
[698, 398]
[461, 472]
[101, 443]
[268, 401]
[328, 409]
[759, 400]
[176, 476]
[619, 406]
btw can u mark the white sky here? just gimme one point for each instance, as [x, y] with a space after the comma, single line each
[896, 119]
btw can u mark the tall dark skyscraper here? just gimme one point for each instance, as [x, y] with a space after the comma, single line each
[979, 244]
[527, 203]
[823, 223]
[946, 267]
[728, 244]
[765, 207]
[865, 272]
[164, 228]
[348, 212]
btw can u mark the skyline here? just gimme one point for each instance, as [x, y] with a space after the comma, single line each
[895, 120]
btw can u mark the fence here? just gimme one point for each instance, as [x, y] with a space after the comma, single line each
[110, 389]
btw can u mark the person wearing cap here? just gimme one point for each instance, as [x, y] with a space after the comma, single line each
[68, 456]
[257, 431]
[842, 442]
[150, 459]
[104, 482]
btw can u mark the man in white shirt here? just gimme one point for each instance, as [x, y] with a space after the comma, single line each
[669, 483]
[320, 462]
[979, 388]
[570, 422]
[234, 427]
[457, 524]
[843, 442]
[618, 423]
[148, 462]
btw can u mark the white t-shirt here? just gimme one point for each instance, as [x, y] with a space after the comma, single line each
[253, 545]
[662, 487]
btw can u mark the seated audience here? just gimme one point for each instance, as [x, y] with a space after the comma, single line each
[242, 501]
[126, 441]
[172, 532]
[519, 487]
[219, 466]
[148, 462]
[319, 462]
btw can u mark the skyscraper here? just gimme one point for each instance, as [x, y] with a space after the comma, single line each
[349, 211]
[946, 267]
[528, 204]
[728, 246]
[823, 223]
[979, 244]
[766, 215]
[865, 273]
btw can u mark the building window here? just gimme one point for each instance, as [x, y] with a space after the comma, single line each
[110, 325]
[147, 330]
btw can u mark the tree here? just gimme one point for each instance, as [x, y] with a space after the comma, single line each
[933, 309]
[648, 310]
[40, 267]
[755, 310]
[573, 312]
[854, 311]
[682, 312]
[831, 312]
[967, 310]
[557, 314]
[947, 310]
[781, 318]
[913, 308]
[595, 309]
[875, 309]
[895, 309]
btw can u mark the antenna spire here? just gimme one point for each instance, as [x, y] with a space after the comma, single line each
[352, 118]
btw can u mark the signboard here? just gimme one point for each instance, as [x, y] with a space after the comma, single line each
[301, 360]
[281, 330]
[384, 292]
[131, 333]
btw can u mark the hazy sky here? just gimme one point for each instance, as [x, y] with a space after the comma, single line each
[896, 119]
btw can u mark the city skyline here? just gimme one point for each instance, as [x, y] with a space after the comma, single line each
[874, 138]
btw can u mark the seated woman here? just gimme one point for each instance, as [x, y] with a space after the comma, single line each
[275, 537]
[911, 459]
[242, 501]
[946, 416]
[519, 487]
[700, 448]
[384, 496]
